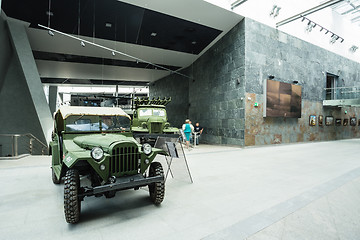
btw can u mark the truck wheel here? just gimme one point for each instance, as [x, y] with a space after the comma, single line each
[72, 203]
[54, 179]
[156, 190]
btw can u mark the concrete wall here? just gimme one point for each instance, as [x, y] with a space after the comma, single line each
[23, 105]
[271, 52]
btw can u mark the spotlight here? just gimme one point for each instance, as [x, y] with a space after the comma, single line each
[82, 44]
[275, 11]
[113, 53]
[333, 39]
[51, 33]
[353, 48]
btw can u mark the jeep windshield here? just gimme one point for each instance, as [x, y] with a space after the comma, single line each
[94, 123]
[151, 112]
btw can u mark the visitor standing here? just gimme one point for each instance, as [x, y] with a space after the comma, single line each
[188, 128]
[198, 131]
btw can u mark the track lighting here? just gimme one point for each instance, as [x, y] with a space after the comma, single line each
[311, 24]
[51, 33]
[113, 51]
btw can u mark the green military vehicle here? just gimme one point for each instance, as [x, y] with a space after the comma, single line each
[95, 143]
[150, 120]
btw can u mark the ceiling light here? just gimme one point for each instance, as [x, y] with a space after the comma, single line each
[353, 48]
[109, 25]
[153, 34]
[113, 53]
[333, 39]
[310, 26]
[82, 44]
[193, 42]
[275, 11]
[50, 33]
[49, 13]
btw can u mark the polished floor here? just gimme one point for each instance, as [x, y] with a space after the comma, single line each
[297, 191]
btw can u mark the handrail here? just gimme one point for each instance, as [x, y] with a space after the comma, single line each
[29, 147]
[24, 134]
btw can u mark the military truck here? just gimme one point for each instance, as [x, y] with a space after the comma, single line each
[95, 144]
[150, 120]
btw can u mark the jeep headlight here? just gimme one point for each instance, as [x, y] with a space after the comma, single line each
[97, 153]
[147, 149]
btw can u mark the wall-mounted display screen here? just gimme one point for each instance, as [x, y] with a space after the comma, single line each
[282, 99]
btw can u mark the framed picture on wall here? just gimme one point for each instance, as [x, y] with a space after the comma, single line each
[353, 121]
[338, 122]
[346, 122]
[320, 120]
[312, 120]
[329, 120]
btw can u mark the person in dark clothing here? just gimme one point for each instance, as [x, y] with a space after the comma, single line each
[198, 131]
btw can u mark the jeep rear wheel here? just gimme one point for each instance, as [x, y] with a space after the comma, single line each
[156, 190]
[54, 178]
[72, 203]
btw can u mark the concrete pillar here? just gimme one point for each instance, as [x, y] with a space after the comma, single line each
[24, 98]
[52, 98]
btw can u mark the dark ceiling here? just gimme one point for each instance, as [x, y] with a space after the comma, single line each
[114, 20]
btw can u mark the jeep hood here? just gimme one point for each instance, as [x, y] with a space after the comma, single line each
[101, 140]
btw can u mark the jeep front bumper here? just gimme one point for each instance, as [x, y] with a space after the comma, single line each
[122, 183]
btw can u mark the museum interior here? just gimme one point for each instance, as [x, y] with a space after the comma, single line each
[246, 111]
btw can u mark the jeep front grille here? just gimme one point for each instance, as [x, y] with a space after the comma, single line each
[124, 160]
[156, 127]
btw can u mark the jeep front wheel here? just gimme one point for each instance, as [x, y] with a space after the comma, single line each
[72, 203]
[156, 190]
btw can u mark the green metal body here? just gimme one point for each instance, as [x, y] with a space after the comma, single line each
[123, 155]
[151, 119]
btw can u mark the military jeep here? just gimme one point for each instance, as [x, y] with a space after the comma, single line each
[95, 143]
[150, 120]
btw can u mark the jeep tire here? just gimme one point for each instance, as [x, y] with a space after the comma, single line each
[156, 190]
[72, 203]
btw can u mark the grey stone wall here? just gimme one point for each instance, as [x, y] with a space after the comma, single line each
[228, 79]
[217, 91]
[176, 87]
[271, 52]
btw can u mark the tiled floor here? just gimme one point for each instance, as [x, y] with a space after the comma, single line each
[298, 191]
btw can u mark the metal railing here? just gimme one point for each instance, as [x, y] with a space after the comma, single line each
[342, 93]
[16, 144]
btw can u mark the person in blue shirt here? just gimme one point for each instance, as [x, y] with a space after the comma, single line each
[188, 128]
